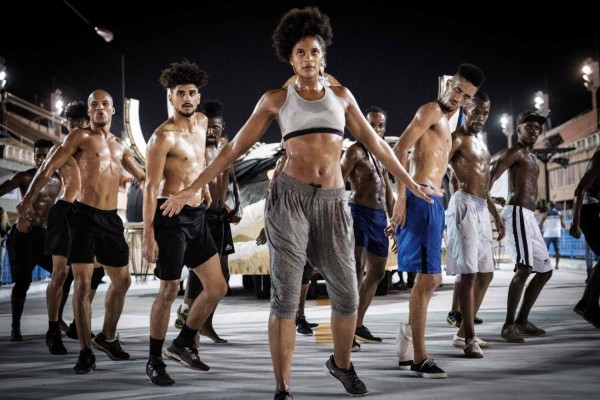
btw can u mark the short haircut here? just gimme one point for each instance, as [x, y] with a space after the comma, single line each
[76, 110]
[183, 73]
[298, 23]
[43, 143]
[375, 109]
[471, 73]
[481, 96]
[213, 109]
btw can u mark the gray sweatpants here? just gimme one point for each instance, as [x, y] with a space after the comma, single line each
[304, 222]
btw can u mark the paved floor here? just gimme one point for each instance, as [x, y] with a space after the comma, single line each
[561, 365]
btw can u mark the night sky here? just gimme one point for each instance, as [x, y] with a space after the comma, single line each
[390, 57]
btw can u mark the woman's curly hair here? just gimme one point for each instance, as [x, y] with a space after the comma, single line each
[181, 73]
[298, 23]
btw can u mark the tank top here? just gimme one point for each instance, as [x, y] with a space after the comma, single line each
[299, 117]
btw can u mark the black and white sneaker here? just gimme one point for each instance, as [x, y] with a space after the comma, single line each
[303, 327]
[428, 369]
[352, 383]
[285, 395]
[186, 356]
[86, 361]
[156, 373]
[112, 349]
[364, 335]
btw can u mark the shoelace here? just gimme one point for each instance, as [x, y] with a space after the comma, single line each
[428, 363]
[354, 379]
[160, 368]
[194, 352]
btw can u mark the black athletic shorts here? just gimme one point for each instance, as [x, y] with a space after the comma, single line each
[220, 230]
[57, 235]
[183, 239]
[98, 233]
[25, 251]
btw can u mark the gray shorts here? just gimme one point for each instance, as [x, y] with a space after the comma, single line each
[304, 222]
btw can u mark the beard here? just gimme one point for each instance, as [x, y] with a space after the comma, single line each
[185, 114]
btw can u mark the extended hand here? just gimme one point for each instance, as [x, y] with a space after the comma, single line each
[262, 238]
[175, 203]
[150, 249]
[424, 192]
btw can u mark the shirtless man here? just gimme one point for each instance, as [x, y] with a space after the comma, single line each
[218, 215]
[95, 229]
[469, 238]
[524, 242]
[57, 239]
[175, 156]
[586, 215]
[26, 240]
[305, 215]
[420, 226]
[371, 197]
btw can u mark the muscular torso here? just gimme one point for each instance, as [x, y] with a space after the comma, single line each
[185, 160]
[71, 179]
[429, 158]
[45, 198]
[366, 180]
[99, 160]
[218, 186]
[471, 164]
[523, 180]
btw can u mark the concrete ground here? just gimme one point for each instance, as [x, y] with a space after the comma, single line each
[563, 364]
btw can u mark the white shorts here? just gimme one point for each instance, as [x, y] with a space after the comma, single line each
[469, 241]
[524, 242]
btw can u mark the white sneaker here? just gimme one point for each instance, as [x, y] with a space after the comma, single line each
[404, 347]
[459, 342]
[472, 350]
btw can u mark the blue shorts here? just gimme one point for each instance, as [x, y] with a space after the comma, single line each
[369, 226]
[420, 241]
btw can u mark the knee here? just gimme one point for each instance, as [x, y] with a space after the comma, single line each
[167, 293]
[217, 290]
[20, 289]
[123, 283]
[377, 274]
[59, 276]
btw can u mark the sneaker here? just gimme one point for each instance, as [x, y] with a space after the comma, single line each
[15, 334]
[404, 347]
[472, 349]
[530, 329]
[71, 332]
[459, 342]
[186, 356]
[592, 316]
[355, 346]
[86, 361]
[55, 344]
[428, 369]
[477, 320]
[313, 325]
[352, 383]
[302, 326]
[579, 308]
[156, 373]
[286, 395]
[454, 318]
[181, 317]
[512, 334]
[112, 349]
[364, 335]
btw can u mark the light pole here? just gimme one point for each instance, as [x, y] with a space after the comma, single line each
[540, 100]
[506, 122]
[591, 79]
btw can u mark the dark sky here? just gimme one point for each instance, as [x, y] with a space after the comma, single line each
[390, 57]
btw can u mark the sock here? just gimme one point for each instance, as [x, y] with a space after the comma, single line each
[186, 336]
[53, 326]
[184, 307]
[156, 346]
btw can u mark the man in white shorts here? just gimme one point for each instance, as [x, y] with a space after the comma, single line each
[524, 242]
[469, 240]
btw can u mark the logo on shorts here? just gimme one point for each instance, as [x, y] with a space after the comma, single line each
[228, 247]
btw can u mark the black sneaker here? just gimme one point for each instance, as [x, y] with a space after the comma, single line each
[302, 326]
[364, 335]
[352, 383]
[86, 361]
[313, 325]
[355, 346]
[454, 318]
[55, 344]
[112, 349]
[428, 369]
[579, 307]
[156, 373]
[283, 396]
[477, 320]
[186, 356]
[72, 331]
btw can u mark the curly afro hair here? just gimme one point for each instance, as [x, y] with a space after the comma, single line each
[298, 23]
[76, 110]
[471, 73]
[183, 73]
[213, 109]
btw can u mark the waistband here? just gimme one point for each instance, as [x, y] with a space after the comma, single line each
[510, 207]
[308, 188]
[590, 200]
[84, 207]
[481, 201]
